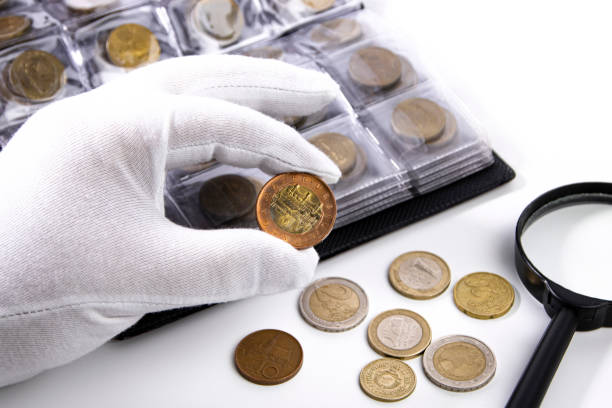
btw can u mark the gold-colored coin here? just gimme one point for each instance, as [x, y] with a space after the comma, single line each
[132, 45]
[387, 380]
[450, 130]
[298, 208]
[419, 118]
[319, 5]
[375, 67]
[336, 32]
[419, 275]
[221, 19]
[483, 295]
[267, 52]
[13, 27]
[399, 333]
[36, 75]
[341, 149]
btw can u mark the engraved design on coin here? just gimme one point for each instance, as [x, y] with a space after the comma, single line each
[399, 332]
[132, 45]
[419, 118]
[221, 19]
[483, 295]
[13, 26]
[334, 302]
[296, 209]
[375, 67]
[419, 274]
[36, 75]
[459, 363]
[387, 380]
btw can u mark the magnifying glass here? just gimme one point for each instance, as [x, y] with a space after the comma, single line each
[566, 233]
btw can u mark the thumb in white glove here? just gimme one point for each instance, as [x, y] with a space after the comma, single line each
[86, 250]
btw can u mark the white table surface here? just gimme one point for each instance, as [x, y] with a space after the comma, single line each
[538, 75]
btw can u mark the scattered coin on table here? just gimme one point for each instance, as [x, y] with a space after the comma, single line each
[319, 5]
[341, 149]
[223, 20]
[13, 27]
[419, 275]
[268, 357]
[333, 304]
[419, 118]
[399, 333]
[483, 295]
[375, 67]
[336, 32]
[132, 45]
[36, 75]
[227, 197]
[298, 208]
[459, 363]
[387, 380]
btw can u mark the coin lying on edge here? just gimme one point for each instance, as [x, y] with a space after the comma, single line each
[419, 275]
[399, 333]
[221, 19]
[319, 5]
[336, 32]
[132, 45]
[333, 304]
[387, 380]
[13, 26]
[419, 118]
[36, 75]
[268, 357]
[483, 295]
[459, 363]
[375, 67]
[341, 149]
[298, 208]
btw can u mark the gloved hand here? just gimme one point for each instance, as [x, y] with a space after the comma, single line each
[85, 249]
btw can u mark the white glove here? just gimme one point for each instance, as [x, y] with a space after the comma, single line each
[85, 249]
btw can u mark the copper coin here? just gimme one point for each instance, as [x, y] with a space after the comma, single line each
[339, 148]
[319, 5]
[227, 197]
[36, 75]
[221, 19]
[132, 45]
[419, 118]
[336, 32]
[13, 27]
[298, 208]
[268, 357]
[375, 67]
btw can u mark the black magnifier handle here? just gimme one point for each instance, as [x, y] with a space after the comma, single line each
[540, 371]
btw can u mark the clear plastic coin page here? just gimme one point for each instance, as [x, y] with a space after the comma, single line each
[80, 13]
[291, 14]
[39, 20]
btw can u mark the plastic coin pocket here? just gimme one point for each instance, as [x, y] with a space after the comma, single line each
[282, 49]
[289, 14]
[22, 22]
[122, 40]
[77, 12]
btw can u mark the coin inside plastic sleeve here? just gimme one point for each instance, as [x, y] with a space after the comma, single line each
[319, 5]
[36, 75]
[339, 148]
[298, 208]
[227, 197]
[333, 304]
[450, 130]
[418, 118]
[419, 275]
[399, 333]
[268, 357]
[267, 52]
[336, 32]
[132, 45]
[221, 20]
[459, 363]
[387, 380]
[483, 295]
[14, 26]
[88, 5]
[375, 67]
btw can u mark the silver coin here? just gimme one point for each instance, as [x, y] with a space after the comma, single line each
[459, 363]
[333, 304]
[222, 20]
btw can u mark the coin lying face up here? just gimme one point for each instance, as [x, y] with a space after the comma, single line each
[298, 208]
[459, 363]
[419, 275]
[336, 32]
[268, 357]
[227, 197]
[87, 5]
[387, 380]
[132, 45]
[36, 75]
[13, 27]
[419, 118]
[221, 19]
[333, 304]
[399, 333]
[483, 295]
[375, 67]
[341, 149]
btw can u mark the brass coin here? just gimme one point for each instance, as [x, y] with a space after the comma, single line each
[13, 27]
[375, 67]
[267, 52]
[227, 197]
[36, 75]
[319, 5]
[387, 380]
[419, 275]
[268, 357]
[132, 45]
[483, 295]
[298, 208]
[450, 130]
[459, 363]
[336, 32]
[221, 19]
[399, 333]
[419, 118]
[339, 148]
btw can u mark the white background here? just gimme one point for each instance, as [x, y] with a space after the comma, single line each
[538, 75]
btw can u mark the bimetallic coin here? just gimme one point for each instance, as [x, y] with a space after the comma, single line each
[319, 5]
[333, 304]
[36, 75]
[268, 357]
[419, 275]
[267, 52]
[419, 118]
[87, 5]
[298, 208]
[339, 148]
[387, 380]
[13, 27]
[483, 295]
[399, 333]
[227, 197]
[459, 363]
[221, 19]
[336, 32]
[375, 67]
[132, 45]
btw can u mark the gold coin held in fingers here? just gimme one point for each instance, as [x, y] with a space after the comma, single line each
[36, 75]
[419, 118]
[375, 67]
[399, 333]
[13, 27]
[419, 275]
[339, 148]
[132, 45]
[298, 208]
[387, 380]
[483, 295]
